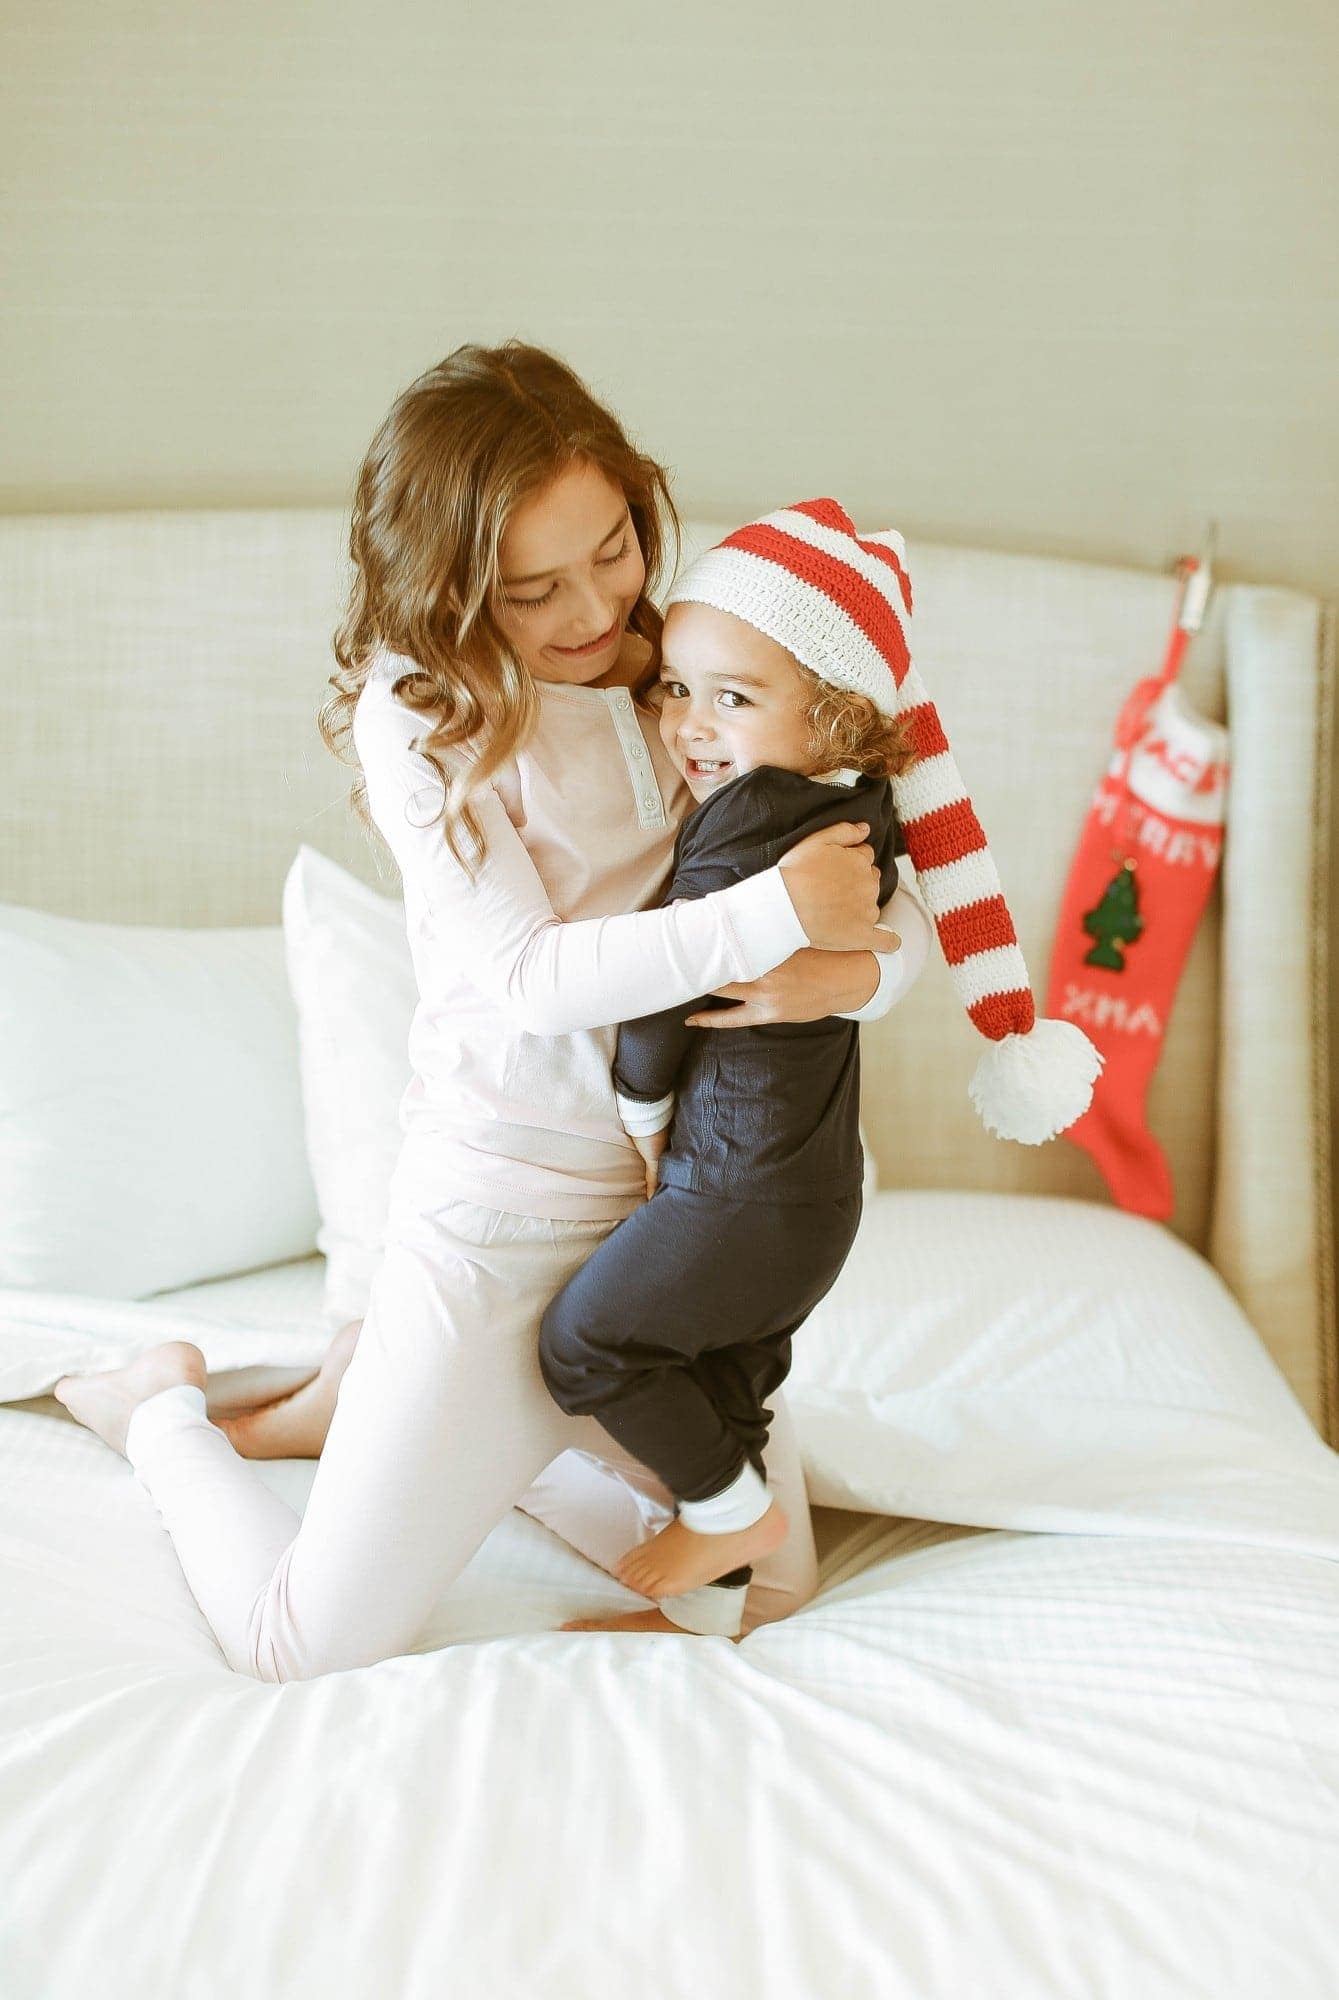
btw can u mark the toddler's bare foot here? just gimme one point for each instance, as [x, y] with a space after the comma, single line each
[104, 1403]
[633, 1621]
[295, 1426]
[676, 1559]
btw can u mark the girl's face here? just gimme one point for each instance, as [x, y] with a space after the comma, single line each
[571, 572]
[732, 700]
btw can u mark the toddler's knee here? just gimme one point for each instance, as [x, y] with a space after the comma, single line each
[568, 1362]
[557, 1356]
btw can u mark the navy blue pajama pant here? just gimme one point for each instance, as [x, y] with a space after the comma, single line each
[677, 1329]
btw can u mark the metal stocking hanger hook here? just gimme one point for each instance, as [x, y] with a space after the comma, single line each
[1196, 590]
[1197, 585]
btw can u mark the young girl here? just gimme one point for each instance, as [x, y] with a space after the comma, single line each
[499, 634]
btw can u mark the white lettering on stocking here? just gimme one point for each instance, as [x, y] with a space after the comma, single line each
[1077, 1004]
[1109, 1010]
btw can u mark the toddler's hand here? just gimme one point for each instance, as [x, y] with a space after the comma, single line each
[651, 1145]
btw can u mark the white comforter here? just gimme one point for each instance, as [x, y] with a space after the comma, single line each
[981, 1764]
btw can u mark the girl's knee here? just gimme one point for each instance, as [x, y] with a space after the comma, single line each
[769, 1602]
[803, 1581]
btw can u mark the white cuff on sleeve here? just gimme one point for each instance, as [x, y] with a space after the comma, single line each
[878, 1003]
[764, 922]
[641, 1120]
[899, 970]
[738, 1505]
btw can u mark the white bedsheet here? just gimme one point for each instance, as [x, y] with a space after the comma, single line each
[983, 1764]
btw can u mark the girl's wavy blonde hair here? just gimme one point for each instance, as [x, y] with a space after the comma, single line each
[460, 450]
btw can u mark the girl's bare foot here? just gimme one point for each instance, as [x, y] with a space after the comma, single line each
[677, 1560]
[633, 1621]
[295, 1426]
[105, 1403]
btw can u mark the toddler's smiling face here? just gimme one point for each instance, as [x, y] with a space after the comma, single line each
[732, 699]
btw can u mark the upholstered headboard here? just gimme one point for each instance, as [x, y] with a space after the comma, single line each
[160, 765]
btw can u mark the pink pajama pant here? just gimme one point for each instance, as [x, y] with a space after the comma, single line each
[442, 1424]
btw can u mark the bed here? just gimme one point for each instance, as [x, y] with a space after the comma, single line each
[1063, 1719]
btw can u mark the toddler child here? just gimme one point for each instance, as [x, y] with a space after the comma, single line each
[788, 703]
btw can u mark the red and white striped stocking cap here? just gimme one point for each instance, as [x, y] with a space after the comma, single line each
[841, 603]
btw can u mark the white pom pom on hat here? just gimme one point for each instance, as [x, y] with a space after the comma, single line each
[841, 603]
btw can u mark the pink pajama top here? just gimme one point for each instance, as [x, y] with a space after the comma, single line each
[525, 971]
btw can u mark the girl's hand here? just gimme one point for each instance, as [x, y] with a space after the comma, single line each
[833, 881]
[807, 987]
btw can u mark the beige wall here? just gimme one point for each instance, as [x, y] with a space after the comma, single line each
[1043, 276]
[1040, 276]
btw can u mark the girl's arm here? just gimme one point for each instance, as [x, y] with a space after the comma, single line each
[812, 983]
[556, 978]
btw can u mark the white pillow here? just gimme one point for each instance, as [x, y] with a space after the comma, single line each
[1036, 1362]
[150, 1111]
[353, 983]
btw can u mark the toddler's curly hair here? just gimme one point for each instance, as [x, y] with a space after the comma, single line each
[849, 732]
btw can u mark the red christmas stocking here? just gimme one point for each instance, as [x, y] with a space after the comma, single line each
[1137, 888]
